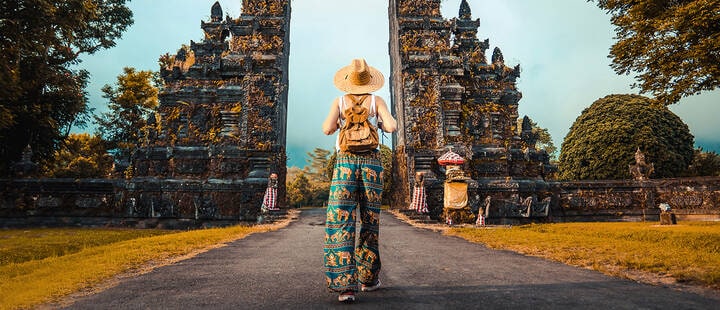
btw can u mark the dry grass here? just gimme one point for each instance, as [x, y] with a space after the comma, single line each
[688, 253]
[21, 245]
[49, 278]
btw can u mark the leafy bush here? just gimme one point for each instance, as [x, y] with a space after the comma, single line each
[604, 138]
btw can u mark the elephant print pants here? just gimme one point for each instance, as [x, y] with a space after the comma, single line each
[356, 184]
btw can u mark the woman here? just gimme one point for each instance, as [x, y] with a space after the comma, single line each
[356, 183]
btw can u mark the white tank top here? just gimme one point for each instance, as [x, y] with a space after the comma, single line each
[372, 117]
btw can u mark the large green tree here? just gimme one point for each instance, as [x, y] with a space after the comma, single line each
[672, 46]
[603, 140]
[41, 96]
[132, 101]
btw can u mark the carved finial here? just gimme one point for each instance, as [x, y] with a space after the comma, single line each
[497, 56]
[26, 154]
[639, 157]
[465, 12]
[216, 12]
[526, 125]
[181, 55]
[526, 134]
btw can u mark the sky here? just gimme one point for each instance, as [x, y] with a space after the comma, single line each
[561, 46]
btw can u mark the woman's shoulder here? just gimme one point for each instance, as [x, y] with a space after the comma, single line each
[379, 100]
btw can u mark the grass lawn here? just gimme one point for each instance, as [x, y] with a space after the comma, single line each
[38, 266]
[688, 252]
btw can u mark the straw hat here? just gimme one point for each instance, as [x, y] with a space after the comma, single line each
[358, 78]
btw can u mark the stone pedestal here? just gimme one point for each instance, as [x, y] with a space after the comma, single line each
[667, 218]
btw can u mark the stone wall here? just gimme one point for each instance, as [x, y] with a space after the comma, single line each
[525, 201]
[689, 198]
[141, 202]
[153, 202]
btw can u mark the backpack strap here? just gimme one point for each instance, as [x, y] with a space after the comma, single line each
[341, 104]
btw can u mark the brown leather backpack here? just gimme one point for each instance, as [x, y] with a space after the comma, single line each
[358, 135]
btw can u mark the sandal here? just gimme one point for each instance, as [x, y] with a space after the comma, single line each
[347, 296]
[370, 288]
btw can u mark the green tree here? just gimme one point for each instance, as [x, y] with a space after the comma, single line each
[603, 140]
[672, 46]
[330, 165]
[132, 101]
[299, 191]
[386, 159]
[81, 156]
[317, 164]
[317, 175]
[41, 97]
[704, 164]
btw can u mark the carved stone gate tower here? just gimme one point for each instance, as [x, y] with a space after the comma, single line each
[446, 94]
[220, 129]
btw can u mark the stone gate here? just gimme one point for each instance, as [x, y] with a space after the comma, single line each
[447, 94]
[220, 131]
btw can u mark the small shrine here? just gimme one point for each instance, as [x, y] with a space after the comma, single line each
[26, 167]
[455, 199]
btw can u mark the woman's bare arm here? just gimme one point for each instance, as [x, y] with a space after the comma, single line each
[330, 125]
[389, 124]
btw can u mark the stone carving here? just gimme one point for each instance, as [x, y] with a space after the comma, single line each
[25, 167]
[641, 170]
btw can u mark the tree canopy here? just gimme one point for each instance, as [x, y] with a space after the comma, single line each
[704, 164]
[41, 96]
[602, 141]
[132, 102]
[316, 169]
[672, 46]
[80, 156]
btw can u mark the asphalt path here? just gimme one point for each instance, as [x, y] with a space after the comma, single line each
[422, 269]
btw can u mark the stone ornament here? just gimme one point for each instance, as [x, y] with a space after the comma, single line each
[641, 170]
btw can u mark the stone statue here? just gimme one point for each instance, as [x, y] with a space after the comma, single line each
[270, 198]
[641, 170]
[528, 204]
[25, 167]
[419, 199]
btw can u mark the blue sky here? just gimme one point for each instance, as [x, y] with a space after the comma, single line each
[561, 46]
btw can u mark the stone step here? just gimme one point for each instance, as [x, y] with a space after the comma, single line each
[273, 216]
[418, 217]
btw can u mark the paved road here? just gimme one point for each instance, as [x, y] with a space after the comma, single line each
[421, 270]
